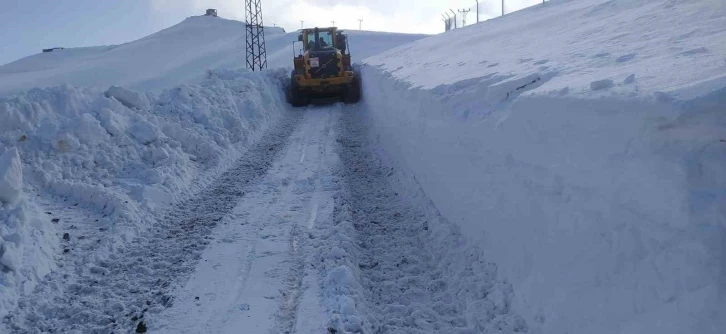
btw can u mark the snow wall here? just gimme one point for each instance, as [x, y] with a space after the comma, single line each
[606, 215]
[119, 155]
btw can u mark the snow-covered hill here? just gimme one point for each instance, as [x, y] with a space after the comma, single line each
[173, 56]
[583, 145]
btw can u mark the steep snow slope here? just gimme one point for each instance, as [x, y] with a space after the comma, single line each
[179, 54]
[583, 145]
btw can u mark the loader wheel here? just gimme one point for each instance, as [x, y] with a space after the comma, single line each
[295, 96]
[352, 93]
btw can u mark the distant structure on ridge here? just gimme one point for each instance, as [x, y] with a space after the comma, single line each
[211, 12]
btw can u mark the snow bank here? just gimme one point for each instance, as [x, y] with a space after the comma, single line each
[582, 146]
[27, 243]
[120, 153]
[392, 264]
[11, 176]
[598, 211]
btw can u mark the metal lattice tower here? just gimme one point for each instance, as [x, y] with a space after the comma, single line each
[255, 36]
[463, 13]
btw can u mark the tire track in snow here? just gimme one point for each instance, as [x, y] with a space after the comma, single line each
[272, 219]
[287, 314]
[417, 273]
[115, 295]
[287, 317]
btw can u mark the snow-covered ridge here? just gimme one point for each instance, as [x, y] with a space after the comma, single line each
[177, 55]
[665, 45]
[582, 144]
[120, 153]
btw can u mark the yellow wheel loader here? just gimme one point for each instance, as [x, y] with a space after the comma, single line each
[323, 69]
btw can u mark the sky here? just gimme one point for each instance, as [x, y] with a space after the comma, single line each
[28, 26]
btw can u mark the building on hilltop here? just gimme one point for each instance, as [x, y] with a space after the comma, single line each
[211, 12]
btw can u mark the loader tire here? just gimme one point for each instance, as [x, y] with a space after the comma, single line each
[352, 93]
[295, 96]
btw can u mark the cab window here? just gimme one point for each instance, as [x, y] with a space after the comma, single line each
[325, 37]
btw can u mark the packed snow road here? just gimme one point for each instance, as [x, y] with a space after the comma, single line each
[311, 231]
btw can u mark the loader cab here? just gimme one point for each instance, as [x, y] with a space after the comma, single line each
[321, 38]
[318, 43]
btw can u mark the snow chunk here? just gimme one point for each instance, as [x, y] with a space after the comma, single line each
[131, 100]
[337, 253]
[11, 176]
[114, 124]
[629, 79]
[601, 84]
[152, 197]
[11, 256]
[346, 305]
[90, 131]
[340, 276]
[66, 143]
[144, 131]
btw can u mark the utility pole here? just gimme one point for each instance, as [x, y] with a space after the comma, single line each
[502, 7]
[477, 11]
[301, 24]
[452, 12]
[360, 24]
[333, 22]
[463, 16]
